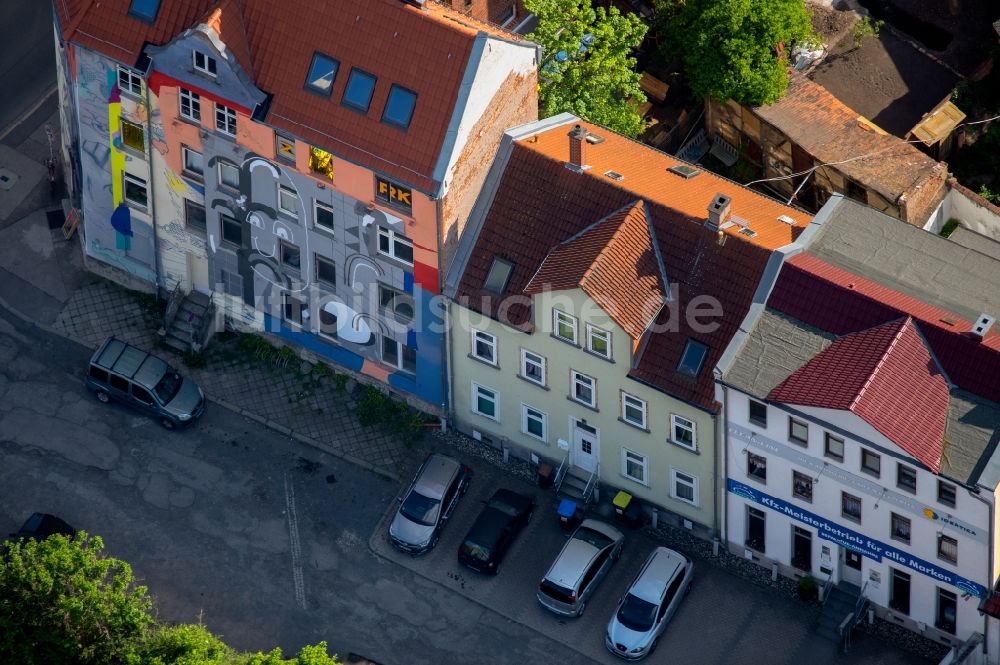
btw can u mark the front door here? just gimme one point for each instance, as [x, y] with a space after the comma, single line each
[850, 568]
[198, 274]
[585, 447]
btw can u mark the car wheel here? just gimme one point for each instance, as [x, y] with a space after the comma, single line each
[583, 606]
[103, 397]
[652, 647]
[168, 423]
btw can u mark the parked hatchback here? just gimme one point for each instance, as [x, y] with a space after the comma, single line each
[428, 503]
[125, 373]
[649, 604]
[42, 525]
[581, 565]
[503, 517]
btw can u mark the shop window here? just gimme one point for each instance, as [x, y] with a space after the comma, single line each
[757, 467]
[947, 611]
[755, 528]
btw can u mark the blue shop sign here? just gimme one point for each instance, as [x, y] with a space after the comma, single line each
[875, 550]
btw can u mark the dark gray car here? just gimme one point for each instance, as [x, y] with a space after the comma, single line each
[428, 503]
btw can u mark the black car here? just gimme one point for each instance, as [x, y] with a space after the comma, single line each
[42, 525]
[498, 524]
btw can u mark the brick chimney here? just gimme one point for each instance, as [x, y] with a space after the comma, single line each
[718, 211]
[578, 149]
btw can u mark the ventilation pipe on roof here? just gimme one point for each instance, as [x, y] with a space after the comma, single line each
[718, 211]
[981, 327]
[578, 149]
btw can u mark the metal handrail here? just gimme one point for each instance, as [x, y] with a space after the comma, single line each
[826, 588]
[561, 473]
[206, 326]
[588, 491]
[174, 301]
[852, 619]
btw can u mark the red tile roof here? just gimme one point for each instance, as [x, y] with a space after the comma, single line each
[887, 376]
[614, 261]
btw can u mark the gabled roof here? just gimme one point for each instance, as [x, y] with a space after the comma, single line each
[616, 263]
[887, 376]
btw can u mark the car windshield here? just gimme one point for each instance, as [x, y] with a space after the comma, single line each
[636, 613]
[595, 538]
[477, 552]
[421, 509]
[168, 386]
[497, 504]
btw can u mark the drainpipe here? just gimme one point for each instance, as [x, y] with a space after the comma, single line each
[446, 410]
[723, 462]
[446, 350]
[152, 197]
[989, 577]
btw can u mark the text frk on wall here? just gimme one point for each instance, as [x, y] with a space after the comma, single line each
[393, 194]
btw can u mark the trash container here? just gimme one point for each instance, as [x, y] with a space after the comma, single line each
[569, 514]
[621, 503]
[546, 475]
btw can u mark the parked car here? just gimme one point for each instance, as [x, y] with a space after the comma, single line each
[428, 503]
[503, 517]
[122, 372]
[581, 565]
[649, 604]
[42, 525]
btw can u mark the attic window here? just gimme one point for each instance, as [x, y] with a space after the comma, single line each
[358, 93]
[747, 231]
[614, 175]
[499, 275]
[144, 10]
[399, 107]
[685, 171]
[786, 219]
[594, 139]
[204, 64]
[322, 74]
[694, 356]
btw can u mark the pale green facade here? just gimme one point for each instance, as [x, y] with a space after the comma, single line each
[665, 472]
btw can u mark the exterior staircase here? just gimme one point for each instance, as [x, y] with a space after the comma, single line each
[841, 600]
[575, 483]
[187, 326]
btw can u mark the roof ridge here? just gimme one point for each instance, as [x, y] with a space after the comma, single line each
[901, 322]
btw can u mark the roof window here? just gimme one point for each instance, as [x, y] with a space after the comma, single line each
[614, 175]
[205, 64]
[358, 93]
[399, 107]
[322, 74]
[694, 356]
[685, 171]
[144, 10]
[499, 275]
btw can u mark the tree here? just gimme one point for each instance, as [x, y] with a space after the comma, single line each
[733, 49]
[587, 67]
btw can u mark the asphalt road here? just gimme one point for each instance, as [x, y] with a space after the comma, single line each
[27, 59]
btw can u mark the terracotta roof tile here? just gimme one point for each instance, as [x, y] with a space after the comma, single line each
[887, 376]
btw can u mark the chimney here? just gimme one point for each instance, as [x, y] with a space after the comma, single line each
[578, 149]
[718, 211]
[419, 4]
[981, 327]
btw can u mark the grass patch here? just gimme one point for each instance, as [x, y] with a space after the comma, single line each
[377, 408]
[948, 228]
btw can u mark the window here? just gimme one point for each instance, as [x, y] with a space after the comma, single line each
[498, 276]
[288, 201]
[634, 466]
[946, 494]
[194, 217]
[484, 401]
[801, 548]
[129, 81]
[947, 607]
[694, 356]
[802, 486]
[757, 467]
[190, 105]
[98, 374]
[232, 283]
[399, 355]
[323, 216]
[204, 63]
[906, 478]
[141, 394]
[294, 311]
[850, 506]
[755, 528]
[399, 107]
[534, 422]
[326, 271]
[583, 388]
[598, 341]
[833, 447]
[193, 162]
[232, 231]
[532, 367]
[327, 323]
[871, 463]
[899, 528]
[358, 92]
[229, 175]
[225, 119]
[508, 16]
[132, 136]
[947, 548]
[395, 245]
[798, 431]
[284, 147]
[119, 383]
[484, 347]
[322, 74]
[899, 591]
[135, 190]
[291, 257]
[396, 303]
[633, 410]
[393, 194]
[683, 487]
[320, 162]
[144, 10]
[564, 326]
[682, 432]
[758, 413]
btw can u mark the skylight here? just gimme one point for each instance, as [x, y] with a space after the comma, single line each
[685, 171]
[694, 356]
[322, 73]
[497, 278]
[358, 93]
[144, 10]
[399, 108]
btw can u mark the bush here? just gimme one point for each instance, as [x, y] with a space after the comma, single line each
[807, 588]
[377, 408]
[194, 359]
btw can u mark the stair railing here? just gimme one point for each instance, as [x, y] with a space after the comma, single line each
[174, 301]
[827, 587]
[561, 473]
[853, 619]
[206, 327]
[588, 491]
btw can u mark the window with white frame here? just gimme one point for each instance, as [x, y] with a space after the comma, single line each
[398, 355]
[633, 410]
[135, 191]
[533, 367]
[205, 64]
[229, 175]
[534, 423]
[485, 402]
[193, 161]
[583, 388]
[684, 487]
[395, 245]
[225, 119]
[288, 201]
[599, 341]
[564, 326]
[484, 347]
[634, 466]
[190, 105]
[133, 136]
[682, 432]
[323, 215]
[395, 303]
[129, 81]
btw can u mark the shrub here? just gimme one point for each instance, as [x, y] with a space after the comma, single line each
[807, 588]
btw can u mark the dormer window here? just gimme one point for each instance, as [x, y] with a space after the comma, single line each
[694, 356]
[399, 107]
[144, 10]
[359, 89]
[204, 64]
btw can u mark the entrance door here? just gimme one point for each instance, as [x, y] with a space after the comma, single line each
[802, 548]
[850, 568]
[585, 447]
[198, 274]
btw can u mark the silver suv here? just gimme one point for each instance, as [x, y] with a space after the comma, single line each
[581, 565]
[428, 503]
[649, 604]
